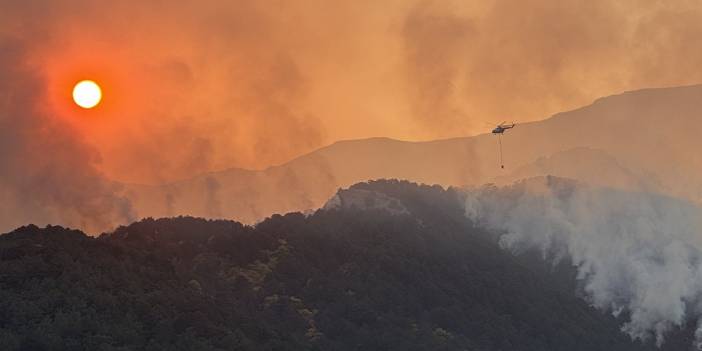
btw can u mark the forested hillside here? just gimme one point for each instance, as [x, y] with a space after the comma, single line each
[353, 276]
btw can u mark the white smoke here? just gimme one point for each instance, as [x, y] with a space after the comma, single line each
[637, 253]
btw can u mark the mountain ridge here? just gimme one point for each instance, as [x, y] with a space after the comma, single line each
[647, 131]
[342, 279]
[384, 138]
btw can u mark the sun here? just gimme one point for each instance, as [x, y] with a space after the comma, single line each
[87, 94]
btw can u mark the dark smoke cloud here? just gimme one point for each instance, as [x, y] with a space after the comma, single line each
[435, 45]
[213, 205]
[299, 131]
[48, 174]
[194, 87]
[198, 86]
[469, 62]
[253, 84]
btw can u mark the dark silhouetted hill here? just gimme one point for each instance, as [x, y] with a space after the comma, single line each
[387, 265]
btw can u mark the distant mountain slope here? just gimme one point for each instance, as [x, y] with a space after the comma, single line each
[652, 132]
[352, 277]
[592, 166]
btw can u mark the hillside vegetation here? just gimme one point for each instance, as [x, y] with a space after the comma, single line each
[353, 276]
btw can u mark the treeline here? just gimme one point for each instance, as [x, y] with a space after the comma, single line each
[341, 279]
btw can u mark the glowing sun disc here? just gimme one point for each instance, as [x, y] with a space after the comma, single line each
[87, 94]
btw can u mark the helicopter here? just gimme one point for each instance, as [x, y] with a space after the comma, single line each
[499, 130]
[502, 127]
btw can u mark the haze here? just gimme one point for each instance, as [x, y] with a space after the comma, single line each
[198, 86]
[240, 110]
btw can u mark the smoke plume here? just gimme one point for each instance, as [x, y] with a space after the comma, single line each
[234, 83]
[47, 174]
[636, 253]
[198, 86]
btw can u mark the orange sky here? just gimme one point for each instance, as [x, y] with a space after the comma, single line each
[196, 86]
